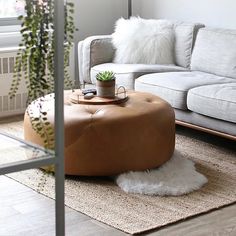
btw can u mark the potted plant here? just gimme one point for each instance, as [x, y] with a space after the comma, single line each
[106, 84]
[35, 58]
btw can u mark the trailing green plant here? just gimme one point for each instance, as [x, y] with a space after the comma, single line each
[105, 76]
[35, 58]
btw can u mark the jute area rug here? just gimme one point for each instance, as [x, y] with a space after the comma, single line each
[103, 200]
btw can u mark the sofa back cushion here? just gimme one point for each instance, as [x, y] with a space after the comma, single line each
[185, 35]
[215, 52]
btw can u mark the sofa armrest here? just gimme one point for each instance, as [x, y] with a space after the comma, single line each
[92, 51]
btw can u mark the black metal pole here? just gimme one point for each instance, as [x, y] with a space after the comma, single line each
[129, 8]
[59, 116]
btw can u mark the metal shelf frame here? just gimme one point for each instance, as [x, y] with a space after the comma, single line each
[58, 159]
[129, 8]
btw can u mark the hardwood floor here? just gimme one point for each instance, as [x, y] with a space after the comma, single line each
[25, 212]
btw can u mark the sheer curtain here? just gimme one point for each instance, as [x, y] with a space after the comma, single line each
[11, 8]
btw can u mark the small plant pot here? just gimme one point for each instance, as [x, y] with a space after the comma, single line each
[106, 89]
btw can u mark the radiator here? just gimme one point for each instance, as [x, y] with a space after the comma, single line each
[16, 105]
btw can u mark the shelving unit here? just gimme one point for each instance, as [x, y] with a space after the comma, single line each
[40, 156]
[18, 155]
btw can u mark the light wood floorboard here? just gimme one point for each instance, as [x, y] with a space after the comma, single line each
[25, 212]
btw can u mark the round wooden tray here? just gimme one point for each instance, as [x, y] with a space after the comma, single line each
[78, 98]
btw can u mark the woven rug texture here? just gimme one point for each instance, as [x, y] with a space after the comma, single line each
[103, 200]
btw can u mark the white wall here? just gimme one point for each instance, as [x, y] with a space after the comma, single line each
[97, 17]
[215, 13]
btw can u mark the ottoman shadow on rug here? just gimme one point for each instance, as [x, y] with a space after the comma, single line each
[103, 200]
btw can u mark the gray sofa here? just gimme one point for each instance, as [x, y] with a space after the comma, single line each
[201, 86]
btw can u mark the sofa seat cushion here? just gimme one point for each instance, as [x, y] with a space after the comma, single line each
[127, 73]
[217, 101]
[174, 86]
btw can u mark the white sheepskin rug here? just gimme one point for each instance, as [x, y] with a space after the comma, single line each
[176, 177]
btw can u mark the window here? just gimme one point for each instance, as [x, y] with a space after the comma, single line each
[10, 10]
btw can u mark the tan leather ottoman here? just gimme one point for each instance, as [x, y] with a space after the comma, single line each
[110, 139]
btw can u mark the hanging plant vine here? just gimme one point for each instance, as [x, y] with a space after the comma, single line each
[35, 59]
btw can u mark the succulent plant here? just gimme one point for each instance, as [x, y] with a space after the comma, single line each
[105, 76]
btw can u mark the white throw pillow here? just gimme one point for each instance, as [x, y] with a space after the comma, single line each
[141, 41]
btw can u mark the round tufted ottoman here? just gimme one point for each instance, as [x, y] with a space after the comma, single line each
[110, 139]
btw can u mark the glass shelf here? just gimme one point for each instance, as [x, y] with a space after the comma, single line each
[15, 151]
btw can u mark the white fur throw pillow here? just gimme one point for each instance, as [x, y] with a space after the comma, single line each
[141, 41]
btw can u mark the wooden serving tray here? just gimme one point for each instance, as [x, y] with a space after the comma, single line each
[78, 98]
